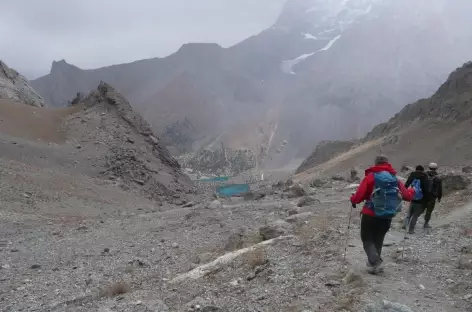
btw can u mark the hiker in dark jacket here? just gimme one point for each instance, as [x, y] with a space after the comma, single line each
[435, 193]
[419, 180]
[382, 192]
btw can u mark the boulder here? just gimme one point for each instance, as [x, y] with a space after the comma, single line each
[467, 169]
[454, 182]
[299, 218]
[406, 169]
[296, 190]
[318, 183]
[353, 177]
[338, 177]
[306, 201]
[274, 229]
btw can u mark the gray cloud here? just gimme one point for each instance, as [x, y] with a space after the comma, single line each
[94, 33]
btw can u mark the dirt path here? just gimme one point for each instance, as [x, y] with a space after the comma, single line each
[421, 271]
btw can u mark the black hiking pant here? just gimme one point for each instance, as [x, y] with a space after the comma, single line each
[429, 209]
[373, 231]
[414, 212]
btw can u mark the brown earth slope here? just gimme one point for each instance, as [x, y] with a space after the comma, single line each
[435, 129]
[101, 137]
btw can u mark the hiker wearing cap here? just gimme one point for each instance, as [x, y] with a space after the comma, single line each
[435, 193]
[420, 182]
[383, 193]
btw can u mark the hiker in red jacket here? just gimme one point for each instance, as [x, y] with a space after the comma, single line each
[383, 194]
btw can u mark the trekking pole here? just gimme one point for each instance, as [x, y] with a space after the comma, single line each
[407, 228]
[348, 230]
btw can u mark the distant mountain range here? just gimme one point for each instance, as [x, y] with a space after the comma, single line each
[436, 129]
[327, 69]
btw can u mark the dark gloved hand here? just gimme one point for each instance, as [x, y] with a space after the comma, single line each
[353, 205]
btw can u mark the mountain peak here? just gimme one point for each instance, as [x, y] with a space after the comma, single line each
[61, 66]
[328, 12]
[199, 47]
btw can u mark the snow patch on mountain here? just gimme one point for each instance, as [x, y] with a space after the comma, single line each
[310, 36]
[287, 66]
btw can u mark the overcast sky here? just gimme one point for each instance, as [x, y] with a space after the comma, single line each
[95, 33]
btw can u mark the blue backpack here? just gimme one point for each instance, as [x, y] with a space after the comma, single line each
[416, 184]
[386, 200]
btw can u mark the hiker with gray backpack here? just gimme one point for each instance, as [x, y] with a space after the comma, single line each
[435, 193]
[383, 193]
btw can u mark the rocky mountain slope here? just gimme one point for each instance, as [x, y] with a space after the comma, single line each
[14, 86]
[121, 143]
[99, 137]
[322, 66]
[433, 129]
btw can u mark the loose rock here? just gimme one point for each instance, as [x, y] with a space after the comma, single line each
[306, 201]
[274, 229]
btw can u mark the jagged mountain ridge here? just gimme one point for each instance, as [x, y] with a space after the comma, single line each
[341, 77]
[432, 129]
[14, 86]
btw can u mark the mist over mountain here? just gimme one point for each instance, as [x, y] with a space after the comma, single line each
[325, 70]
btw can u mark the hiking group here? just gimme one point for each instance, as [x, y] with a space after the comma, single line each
[383, 194]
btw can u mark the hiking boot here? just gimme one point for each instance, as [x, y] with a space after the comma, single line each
[376, 268]
[426, 226]
[381, 267]
[370, 268]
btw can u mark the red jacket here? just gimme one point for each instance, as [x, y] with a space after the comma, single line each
[365, 189]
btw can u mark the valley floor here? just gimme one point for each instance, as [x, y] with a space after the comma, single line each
[69, 242]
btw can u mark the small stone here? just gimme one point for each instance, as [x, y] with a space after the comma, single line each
[130, 140]
[210, 309]
[106, 250]
[332, 284]
[353, 277]
[189, 204]
[300, 218]
[307, 201]
[422, 287]
[78, 146]
[36, 266]
[467, 297]
[274, 229]
[82, 228]
[5, 266]
[140, 182]
[449, 281]
[293, 211]
[14, 250]
[175, 245]
[216, 204]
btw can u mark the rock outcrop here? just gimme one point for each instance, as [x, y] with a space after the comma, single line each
[128, 150]
[224, 161]
[17, 88]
